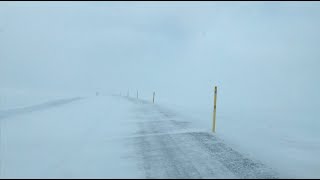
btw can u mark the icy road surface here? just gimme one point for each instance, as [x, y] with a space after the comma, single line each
[114, 137]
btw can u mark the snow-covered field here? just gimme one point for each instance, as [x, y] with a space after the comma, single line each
[88, 137]
[115, 137]
[71, 140]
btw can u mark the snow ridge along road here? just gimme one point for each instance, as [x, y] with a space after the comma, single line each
[164, 153]
[38, 107]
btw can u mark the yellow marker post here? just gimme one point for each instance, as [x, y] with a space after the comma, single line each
[214, 109]
[153, 97]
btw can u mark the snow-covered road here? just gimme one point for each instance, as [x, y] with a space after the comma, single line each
[167, 147]
[116, 137]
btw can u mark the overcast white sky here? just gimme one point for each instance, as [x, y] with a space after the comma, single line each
[260, 54]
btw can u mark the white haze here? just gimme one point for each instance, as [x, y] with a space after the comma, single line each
[263, 56]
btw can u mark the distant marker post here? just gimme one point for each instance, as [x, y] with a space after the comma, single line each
[153, 97]
[214, 109]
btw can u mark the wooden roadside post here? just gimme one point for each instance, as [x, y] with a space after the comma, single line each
[153, 97]
[214, 109]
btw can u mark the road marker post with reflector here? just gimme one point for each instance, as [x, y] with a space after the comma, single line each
[153, 97]
[214, 109]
